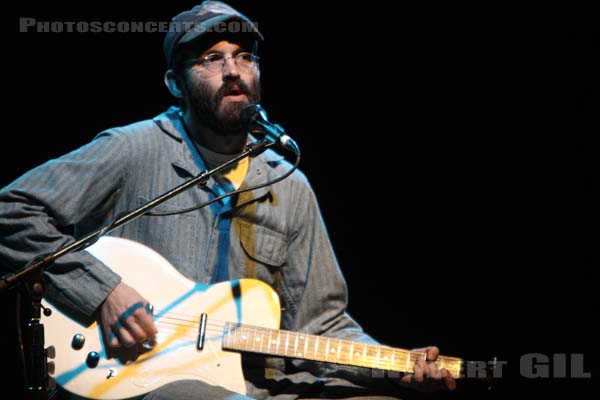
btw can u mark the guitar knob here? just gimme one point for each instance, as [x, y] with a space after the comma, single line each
[92, 359]
[50, 367]
[51, 384]
[50, 352]
[78, 341]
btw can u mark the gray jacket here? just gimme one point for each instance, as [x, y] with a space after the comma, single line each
[275, 234]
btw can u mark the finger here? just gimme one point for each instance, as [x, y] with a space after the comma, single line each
[135, 330]
[420, 366]
[448, 379]
[124, 337]
[109, 335]
[433, 371]
[432, 353]
[113, 341]
[407, 378]
[146, 322]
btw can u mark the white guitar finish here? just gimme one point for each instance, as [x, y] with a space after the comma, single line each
[175, 356]
[243, 316]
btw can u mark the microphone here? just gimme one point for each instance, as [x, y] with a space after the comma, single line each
[254, 118]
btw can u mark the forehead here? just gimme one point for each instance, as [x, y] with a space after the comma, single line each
[223, 47]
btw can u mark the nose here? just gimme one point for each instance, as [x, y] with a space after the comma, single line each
[230, 68]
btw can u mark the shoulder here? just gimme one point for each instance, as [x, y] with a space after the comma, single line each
[278, 165]
[295, 189]
[158, 133]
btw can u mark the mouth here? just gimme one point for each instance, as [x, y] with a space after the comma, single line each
[234, 93]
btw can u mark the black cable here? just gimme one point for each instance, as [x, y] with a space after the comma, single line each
[21, 349]
[186, 210]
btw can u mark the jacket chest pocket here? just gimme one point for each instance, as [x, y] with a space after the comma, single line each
[263, 245]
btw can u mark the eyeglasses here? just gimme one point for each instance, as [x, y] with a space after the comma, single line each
[214, 62]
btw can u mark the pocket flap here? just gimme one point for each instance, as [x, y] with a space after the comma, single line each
[263, 244]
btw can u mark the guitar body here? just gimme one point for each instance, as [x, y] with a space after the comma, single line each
[178, 304]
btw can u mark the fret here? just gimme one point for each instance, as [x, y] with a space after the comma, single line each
[269, 345]
[247, 338]
[244, 337]
[262, 339]
[299, 349]
[234, 335]
[258, 340]
[287, 340]
[342, 356]
[235, 340]
[296, 344]
[232, 331]
[327, 349]
[332, 350]
[397, 363]
[384, 357]
[372, 359]
[306, 339]
[231, 337]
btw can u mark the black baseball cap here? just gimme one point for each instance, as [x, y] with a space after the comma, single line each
[209, 16]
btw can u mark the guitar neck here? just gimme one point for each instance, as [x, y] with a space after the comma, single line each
[290, 344]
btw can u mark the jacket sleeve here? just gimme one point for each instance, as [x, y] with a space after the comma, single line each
[322, 309]
[47, 207]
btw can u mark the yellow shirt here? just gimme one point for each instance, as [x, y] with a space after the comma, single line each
[235, 174]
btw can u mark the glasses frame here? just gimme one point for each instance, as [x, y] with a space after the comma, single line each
[202, 62]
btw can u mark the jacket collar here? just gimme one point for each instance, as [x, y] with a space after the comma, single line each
[186, 158]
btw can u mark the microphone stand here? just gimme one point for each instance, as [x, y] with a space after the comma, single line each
[32, 274]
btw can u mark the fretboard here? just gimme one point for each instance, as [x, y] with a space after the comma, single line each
[324, 349]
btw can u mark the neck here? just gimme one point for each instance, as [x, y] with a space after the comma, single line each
[219, 142]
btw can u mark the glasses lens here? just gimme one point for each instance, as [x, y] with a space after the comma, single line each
[213, 62]
[245, 61]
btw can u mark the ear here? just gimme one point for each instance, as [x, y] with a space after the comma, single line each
[173, 84]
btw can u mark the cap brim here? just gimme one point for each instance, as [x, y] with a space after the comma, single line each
[208, 27]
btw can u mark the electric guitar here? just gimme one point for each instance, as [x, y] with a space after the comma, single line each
[202, 330]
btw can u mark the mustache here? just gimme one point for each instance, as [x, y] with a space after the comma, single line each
[243, 86]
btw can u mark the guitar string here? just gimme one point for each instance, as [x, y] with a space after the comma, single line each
[367, 358]
[218, 329]
[221, 327]
[366, 361]
[363, 359]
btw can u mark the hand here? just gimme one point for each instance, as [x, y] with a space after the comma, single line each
[126, 318]
[427, 377]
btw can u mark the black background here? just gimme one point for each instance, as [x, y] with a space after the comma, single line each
[450, 150]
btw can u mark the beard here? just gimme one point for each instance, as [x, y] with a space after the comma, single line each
[223, 120]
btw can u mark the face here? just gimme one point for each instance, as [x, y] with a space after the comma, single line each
[216, 98]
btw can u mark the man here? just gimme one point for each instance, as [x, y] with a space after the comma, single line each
[274, 234]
